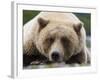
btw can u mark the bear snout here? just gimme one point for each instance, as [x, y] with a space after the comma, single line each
[56, 57]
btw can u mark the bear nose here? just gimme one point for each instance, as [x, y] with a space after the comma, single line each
[55, 56]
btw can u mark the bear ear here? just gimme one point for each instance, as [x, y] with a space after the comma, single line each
[77, 27]
[42, 23]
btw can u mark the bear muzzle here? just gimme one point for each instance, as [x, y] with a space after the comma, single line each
[56, 57]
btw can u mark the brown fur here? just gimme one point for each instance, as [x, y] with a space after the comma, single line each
[51, 31]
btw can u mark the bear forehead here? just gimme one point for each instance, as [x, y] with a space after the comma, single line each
[59, 26]
[55, 16]
[58, 31]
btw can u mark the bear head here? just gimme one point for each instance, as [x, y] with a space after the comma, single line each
[58, 40]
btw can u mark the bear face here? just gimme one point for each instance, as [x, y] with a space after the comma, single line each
[58, 41]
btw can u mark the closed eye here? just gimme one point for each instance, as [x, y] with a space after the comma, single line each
[64, 39]
[50, 40]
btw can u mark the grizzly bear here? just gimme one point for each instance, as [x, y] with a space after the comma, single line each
[55, 37]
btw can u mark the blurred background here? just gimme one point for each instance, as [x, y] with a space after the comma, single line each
[84, 17]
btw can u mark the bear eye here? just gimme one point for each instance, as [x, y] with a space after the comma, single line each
[63, 39]
[50, 40]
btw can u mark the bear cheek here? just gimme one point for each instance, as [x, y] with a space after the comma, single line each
[46, 48]
[68, 50]
[68, 53]
[47, 44]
